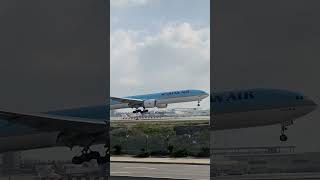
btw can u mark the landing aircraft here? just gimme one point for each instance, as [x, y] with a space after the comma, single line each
[159, 100]
[86, 126]
[258, 107]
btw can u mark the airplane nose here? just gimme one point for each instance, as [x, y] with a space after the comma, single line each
[311, 103]
[205, 95]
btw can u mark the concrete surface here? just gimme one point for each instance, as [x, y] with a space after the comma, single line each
[154, 160]
[172, 171]
[275, 176]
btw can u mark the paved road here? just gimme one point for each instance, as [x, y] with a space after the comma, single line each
[272, 176]
[190, 161]
[174, 171]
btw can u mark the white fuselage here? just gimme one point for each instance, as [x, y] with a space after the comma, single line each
[169, 100]
[257, 107]
[261, 117]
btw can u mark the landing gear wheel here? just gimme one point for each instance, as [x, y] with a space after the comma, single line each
[136, 111]
[86, 155]
[283, 137]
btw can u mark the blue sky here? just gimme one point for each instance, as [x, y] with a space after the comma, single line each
[159, 45]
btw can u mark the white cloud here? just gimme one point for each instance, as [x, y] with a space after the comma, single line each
[128, 3]
[177, 57]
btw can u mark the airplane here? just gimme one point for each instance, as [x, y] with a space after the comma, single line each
[82, 126]
[258, 107]
[86, 126]
[159, 100]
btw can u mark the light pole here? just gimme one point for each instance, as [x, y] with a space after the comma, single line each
[147, 148]
[167, 139]
[127, 136]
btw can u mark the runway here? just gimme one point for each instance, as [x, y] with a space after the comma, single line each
[272, 176]
[171, 121]
[172, 171]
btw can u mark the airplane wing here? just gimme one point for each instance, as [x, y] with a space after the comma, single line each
[45, 122]
[130, 101]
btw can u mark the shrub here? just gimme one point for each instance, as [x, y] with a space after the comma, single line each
[170, 148]
[205, 152]
[143, 155]
[159, 153]
[180, 153]
[117, 149]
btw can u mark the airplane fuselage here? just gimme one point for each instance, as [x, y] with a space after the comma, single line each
[164, 98]
[257, 107]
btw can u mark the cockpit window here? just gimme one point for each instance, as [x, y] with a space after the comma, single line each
[299, 97]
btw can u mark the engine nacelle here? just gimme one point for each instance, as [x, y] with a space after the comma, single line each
[161, 105]
[150, 103]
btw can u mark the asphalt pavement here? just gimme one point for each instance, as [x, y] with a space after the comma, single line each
[172, 171]
[157, 160]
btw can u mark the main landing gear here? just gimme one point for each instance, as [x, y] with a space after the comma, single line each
[140, 111]
[144, 110]
[284, 127]
[88, 155]
[198, 102]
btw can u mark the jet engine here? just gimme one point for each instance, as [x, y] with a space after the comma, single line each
[161, 105]
[150, 103]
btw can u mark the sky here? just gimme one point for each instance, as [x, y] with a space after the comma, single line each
[53, 56]
[159, 45]
[268, 44]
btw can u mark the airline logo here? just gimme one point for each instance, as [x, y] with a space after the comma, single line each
[176, 92]
[233, 96]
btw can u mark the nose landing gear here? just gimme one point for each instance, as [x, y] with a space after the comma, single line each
[283, 137]
[284, 127]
